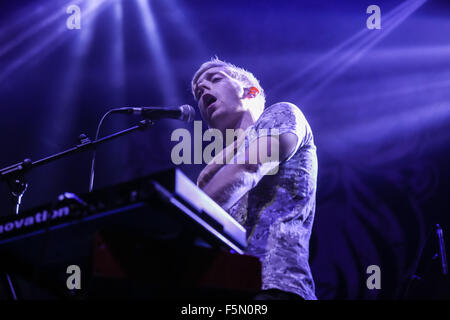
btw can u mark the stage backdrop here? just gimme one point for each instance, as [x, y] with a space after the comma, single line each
[377, 99]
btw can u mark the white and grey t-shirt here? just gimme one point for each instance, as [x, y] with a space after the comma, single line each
[278, 212]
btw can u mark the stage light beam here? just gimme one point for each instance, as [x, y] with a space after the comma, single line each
[152, 36]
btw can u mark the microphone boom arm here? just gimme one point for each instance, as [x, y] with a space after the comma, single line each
[14, 174]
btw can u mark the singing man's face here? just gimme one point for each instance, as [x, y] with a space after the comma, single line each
[219, 98]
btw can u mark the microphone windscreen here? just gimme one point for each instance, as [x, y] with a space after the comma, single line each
[187, 113]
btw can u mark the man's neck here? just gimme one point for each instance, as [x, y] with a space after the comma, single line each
[240, 126]
[245, 122]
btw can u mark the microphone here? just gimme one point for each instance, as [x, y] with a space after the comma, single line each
[183, 113]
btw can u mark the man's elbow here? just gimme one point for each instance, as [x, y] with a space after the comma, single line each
[253, 173]
[247, 173]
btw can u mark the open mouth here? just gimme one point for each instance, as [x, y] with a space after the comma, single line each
[208, 99]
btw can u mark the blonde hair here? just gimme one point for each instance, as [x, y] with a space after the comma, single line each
[245, 77]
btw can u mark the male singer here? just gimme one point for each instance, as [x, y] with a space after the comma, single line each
[277, 210]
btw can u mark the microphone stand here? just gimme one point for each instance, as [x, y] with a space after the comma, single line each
[14, 174]
[426, 260]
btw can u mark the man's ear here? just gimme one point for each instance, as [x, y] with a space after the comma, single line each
[250, 92]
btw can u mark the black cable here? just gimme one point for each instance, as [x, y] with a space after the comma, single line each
[91, 179]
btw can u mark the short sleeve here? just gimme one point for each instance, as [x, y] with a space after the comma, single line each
[282, 118]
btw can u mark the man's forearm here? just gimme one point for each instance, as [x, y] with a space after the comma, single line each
[230, 184]
[233, 181]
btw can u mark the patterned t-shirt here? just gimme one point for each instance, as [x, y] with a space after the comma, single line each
[278, 212]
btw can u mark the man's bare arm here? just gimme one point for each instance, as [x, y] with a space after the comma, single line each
[233, 181]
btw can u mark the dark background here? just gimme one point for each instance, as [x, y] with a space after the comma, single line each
[378, 102]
